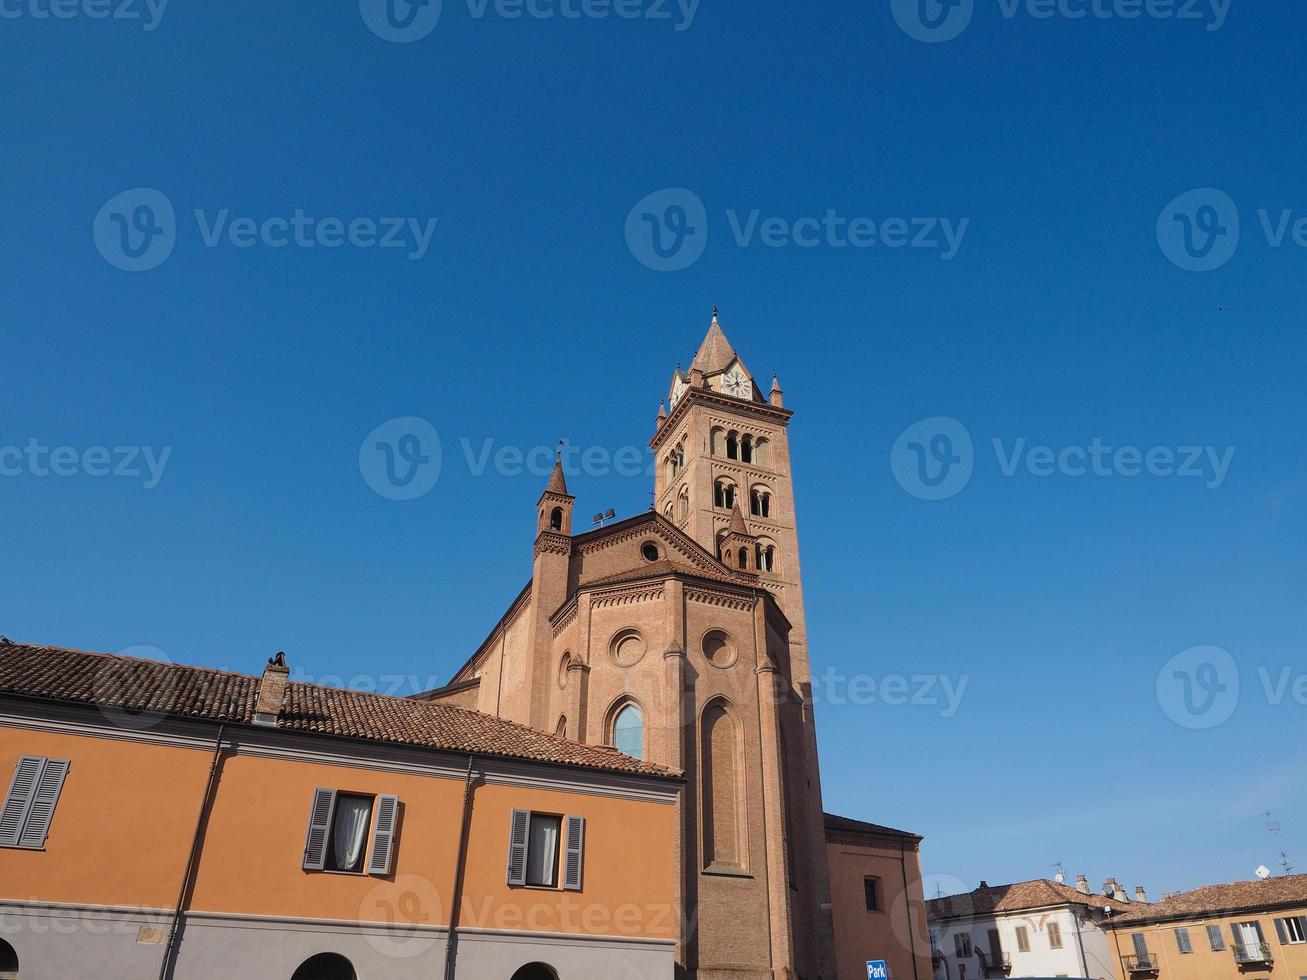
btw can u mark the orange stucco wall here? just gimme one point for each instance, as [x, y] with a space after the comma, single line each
[123, 827]
[1289, 962]
[890, 934]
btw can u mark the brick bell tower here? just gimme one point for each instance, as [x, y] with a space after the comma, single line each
[723, 476]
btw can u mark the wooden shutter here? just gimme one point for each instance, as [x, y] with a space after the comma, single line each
[1215, 938]
[1282, 932]
[519, 833]
[383, 835]
[574, 863]
[1023, 939]
[1054, 936]
[41, 812]
[1141, 944]
[19, 798]
[1182, 940]
[315, 842]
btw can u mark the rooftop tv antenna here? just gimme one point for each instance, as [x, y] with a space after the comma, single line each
[1060, 877]
[1273, 826]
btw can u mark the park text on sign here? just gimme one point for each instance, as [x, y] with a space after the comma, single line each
[877, 970]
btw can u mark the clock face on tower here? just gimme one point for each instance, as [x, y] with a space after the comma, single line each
[737, 384]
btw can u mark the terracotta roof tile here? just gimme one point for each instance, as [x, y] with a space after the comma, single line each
[132, 685]
[1036, 894]
[1237, 896]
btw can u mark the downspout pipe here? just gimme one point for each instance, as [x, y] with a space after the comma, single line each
[196, 839]
[460, 868]
[907, 906]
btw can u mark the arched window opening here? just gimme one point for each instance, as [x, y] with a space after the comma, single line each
[759, 502]
[760, 450]
[746, 450]
[766, 558]
[325, 966]
[536, 971]
[8, 962]
[717, 442]
[723, 790]
[556, 519]
[677, 459]
[668, 511]
[561, 728]
[684, 502]
[724, 494]
[733, 445]
[628, 731]
[743, 557]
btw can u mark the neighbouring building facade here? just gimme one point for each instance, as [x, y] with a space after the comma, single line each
[875, 881]
[167, 821]
[678, 636]
[1246, 930]
[1037, 928]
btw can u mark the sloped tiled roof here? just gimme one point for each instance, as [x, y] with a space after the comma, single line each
[1237, 896]
[130, 684]
[715, 353]
[847, 825]
[1036, 894]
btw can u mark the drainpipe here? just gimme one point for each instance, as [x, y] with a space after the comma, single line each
[1080, 942]
[451, 945]
[907, 905]
[194, 856]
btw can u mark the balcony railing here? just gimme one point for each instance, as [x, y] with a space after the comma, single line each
[995, 964]
[1252, 953]
[1141, 963]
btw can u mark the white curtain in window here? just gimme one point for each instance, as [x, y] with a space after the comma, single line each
[352, 813]
[542, 855]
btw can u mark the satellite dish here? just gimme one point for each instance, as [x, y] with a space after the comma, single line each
[1060, 878]
[1263, 872]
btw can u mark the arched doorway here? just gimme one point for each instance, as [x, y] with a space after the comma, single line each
[535, 971]
[325, 966]
[8, 962]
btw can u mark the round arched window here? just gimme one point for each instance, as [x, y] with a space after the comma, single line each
[325, 966]
[718, 649]
[628, 731]
[649, 550]
[627, 648]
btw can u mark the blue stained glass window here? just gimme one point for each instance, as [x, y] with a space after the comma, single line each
[628, 732]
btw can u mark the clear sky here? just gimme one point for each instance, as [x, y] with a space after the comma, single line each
[1052, 145]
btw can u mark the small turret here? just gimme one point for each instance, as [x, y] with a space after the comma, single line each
[777, 396]
[555, 510]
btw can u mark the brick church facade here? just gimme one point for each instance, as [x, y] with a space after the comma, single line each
[678, 636]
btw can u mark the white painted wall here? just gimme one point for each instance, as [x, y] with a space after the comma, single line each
[1041, 960]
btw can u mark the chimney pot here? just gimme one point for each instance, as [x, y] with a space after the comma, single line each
[1140, 894]
[272, 691]
[1082, 884]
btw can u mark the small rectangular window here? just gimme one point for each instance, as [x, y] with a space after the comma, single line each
[1216, 938]
[542, 849]
[1023, 939]
[1182, 941]
[1292, 931]
[871, 889]
[348, 841]
[1054, 936]
[995, 947]
[962, 943]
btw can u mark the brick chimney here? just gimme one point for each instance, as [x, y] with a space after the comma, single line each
[272, 689]
[1140, 894]
[1082, 885]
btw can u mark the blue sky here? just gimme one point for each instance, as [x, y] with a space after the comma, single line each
[526, 314]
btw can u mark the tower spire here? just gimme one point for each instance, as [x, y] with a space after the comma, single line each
[715, 353]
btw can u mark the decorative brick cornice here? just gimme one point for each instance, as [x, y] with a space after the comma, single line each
[625, 597]
[564, 617]
[727, 600]
[553, 543]
[764, 413]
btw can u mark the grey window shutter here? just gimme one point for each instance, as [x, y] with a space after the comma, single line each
[1141, 944]
[519, 832]
[21, 789]
[383, 835]
[1215, 938]
[1237, 933]
[41, 812]
[315, 843]
[574, 864]
[1282, 932]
